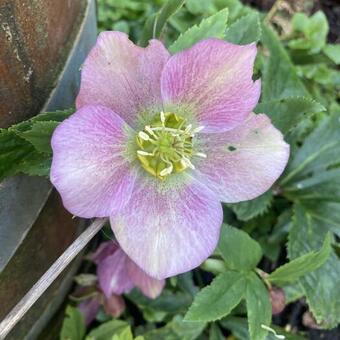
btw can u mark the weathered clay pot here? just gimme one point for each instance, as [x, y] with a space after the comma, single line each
[42, 46]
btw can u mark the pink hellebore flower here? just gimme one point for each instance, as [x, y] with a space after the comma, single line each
[117, 274]
[158, 141]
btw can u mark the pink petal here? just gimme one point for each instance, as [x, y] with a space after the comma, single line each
[89, 308]
[123, 76]
[213, 81]
[104, 250]
[243, 163]
[168, 229]
[89, 167]
[114, 305]
[113, 276]
[148, 285]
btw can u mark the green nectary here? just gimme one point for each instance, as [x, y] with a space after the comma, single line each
[165, 146]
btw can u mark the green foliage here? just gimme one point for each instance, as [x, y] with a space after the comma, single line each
[321, 287]
[25, 147]
[107, 330]
[156, 23]
[212, 27]
[177, 329]
[293, 270]
[219, 298]
[234, 242]
[332, 52]
[259, 308]
[313, 29]
[245, 30]
[247, 210]
[73, 326]
[280, 79]
[286, 113]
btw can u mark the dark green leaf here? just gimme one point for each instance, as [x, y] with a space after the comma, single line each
[321, 287]
[247, 210]
[238, 249]
[288, 112]
[321, 149]
[219, 298]
[259, 308]
[245, 30]
[279, 77]
[73, 326]
[211, 27]
[215, 332]
[156, 23]
[292, 271]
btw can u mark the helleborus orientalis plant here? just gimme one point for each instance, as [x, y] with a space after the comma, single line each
[158, 140]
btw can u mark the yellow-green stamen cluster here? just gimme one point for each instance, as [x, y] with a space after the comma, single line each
[165, 146]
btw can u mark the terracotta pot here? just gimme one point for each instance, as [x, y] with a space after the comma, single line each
[43, 44]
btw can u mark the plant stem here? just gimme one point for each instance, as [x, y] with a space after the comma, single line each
[16, 314]
[272, 11]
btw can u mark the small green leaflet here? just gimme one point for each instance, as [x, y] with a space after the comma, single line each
[322, 286]
[74, 327]
[215, 332]
[156, 22]
[245, 30]
[238, 249]
[293, 270]
[211, 27]
[247, 210]
[219, 298]
[288, 112]
[259, 308]
[279, 76]
[332, 52]
[314, 30]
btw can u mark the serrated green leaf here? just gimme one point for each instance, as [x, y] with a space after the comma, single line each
[211, 27]
[259, 308]
[238, 249]
[245, 30]
[332, 51]
[320, 150]
[322, 286]
[219, 298]
[288, 112]
[280, 79]
[18, 155]
[293, 292]
[40, 135]
[156, 23]
[73, 326]
[201, 7]
[106, 330]
[300, 266]
[247, 210]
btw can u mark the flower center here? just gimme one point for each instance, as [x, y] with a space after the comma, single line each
[166, 145]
